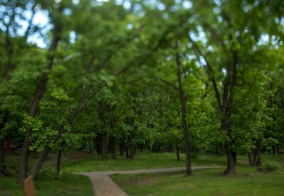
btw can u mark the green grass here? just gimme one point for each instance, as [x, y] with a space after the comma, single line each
[149, 161]
[204, 182]
[66, 184]
[141, 161]
[48, 183]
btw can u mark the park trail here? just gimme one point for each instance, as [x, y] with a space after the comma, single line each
[104, 186]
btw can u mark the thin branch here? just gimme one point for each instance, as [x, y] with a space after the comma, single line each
[169, 84]
[209, 71]
[30, 23]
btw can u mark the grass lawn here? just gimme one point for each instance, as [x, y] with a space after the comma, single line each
[141, 161]
[204, 182]
[47, 184]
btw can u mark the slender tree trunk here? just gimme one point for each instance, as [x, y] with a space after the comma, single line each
[59, 155]
[183, 113]
[34, 106]
[114, 149]
[250, 159]
[98, 144]
[258, 154]
[103, 145]
[177, 153]
[2, 158]
[2, 146]
[121, 147]
[131, 146]
[40, 160]
[101, 114]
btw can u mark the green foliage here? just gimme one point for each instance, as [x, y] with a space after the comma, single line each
[12, 165]
[269, 166]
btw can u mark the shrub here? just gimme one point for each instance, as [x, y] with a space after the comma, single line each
[269, 166]
[12, 165]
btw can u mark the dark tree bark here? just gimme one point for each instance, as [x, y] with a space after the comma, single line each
[98, 144]
[127, 147]
[114, 148]
[177, 153]
[225, 102]
[2, 157]
[35, 103]
[58, 161]
[183, 112]
[122, 147]
[131, 146]
[113, 138]
[103, 136]
[59, 156]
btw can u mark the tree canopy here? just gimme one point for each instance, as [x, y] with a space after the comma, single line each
[164, 75]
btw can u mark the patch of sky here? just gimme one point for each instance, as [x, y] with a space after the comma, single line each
[72, 36]
[224, 71]
[216, 10]
[210, 48]
[75, 2]
[218, 2]
[187, 4]
[127, 5]
[129, 26]
[166, 16]
[174, 8]
[119, 2]
[264, 39]
[67, 11]
[161, 6]
[68, 57]
[202, 60]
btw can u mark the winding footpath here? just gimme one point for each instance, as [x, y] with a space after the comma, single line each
[104, 186]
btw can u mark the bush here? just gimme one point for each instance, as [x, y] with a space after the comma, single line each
[269, 166]
[12, 165]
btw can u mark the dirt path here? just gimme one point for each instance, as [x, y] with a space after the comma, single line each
[104, 186]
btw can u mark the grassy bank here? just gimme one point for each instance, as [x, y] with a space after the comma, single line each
[48, 183]
[204, 182]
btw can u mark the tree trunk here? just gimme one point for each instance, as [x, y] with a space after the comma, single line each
[127, 147]
[177, 153]
[250, 159]
[230, 161]
[183, 113]
[35, 103]
[131, 146]
[258, 154]
[40, 160]
[112, 147]
[2, 158]
[98, 144]
[121, 147]
[58, 161]
[101, 114]
[103, 145]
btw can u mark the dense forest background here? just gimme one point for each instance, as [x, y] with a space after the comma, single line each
[191, 76]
